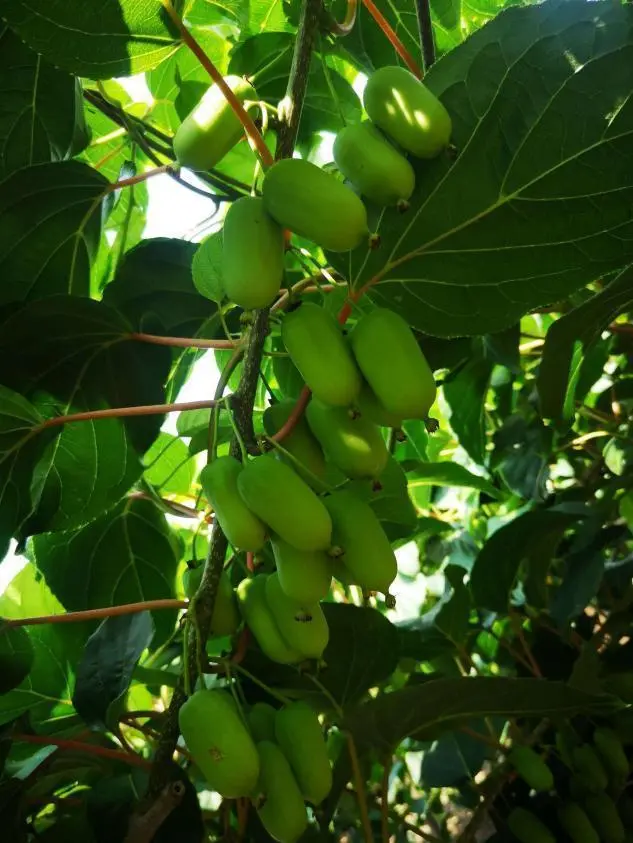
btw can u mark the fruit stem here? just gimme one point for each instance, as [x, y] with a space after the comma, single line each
[245, 119]
[359, 786]
[396, 43]
[97, 614]
[293, 418]
[122, 412]
[300, 466]
[425, 26]
[80, 746]
[157, 171]
[340, 30]
[183, 342]
[235, 666]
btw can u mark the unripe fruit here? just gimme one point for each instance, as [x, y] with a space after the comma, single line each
[531, 767]
[349, 440]
[305, 576]
[611, 752]
[261, 719]
[251, 595]
[605, 818]
[220, 481]
[589, 769]
[577, 824]
[406, 110]
[300, 442]
[369, 405]
[226, 618]
[278, 496]
[252, 254]
[212, 129]
[16, 656]
[302, 625]
[316, 345]
[280, 805]
[373, 165]
[367, 553]
[300, 737]
[527, 828]
[315, 205]
[393, 364]
[219, 742]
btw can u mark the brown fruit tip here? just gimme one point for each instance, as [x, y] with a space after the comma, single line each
[390, 601]
[432, 425]
[402, 206]
[335, 552]
[374, 241]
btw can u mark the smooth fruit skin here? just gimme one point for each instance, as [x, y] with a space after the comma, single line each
[612, 755]
[302, 625]
[304, 576]
[349, 440]
[406, 110]
[252, 254]
[527, 828]
[279, 803]
[373, 165]
[577, 824]
[314, 204]
[220, 743]
[531, 767]
[317, 347]
[219, 480]
[261, 719]
[604, 816]
[300, 737]
[212, 129]
[251, 597]
[367, 553]
[277, 495]
[589, 768]
[300, 442]
[226, 618]
[371, 408]
[393, 364]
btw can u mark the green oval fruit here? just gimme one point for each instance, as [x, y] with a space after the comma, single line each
[212, 129]
[305, 576]
[605, 818]
[367, 553]
[577, 824]
[251, 596]
[349, 440]
[589, 768]
[278, 496]
[220, 482]
[372, 409]
[280, 806]
[314, 204]
[527, 828]
[393, 364]
[16, 656]
[302, 625]
[300, 442]
[261, 719]
[612, 755]
[300, 737]
[226, 618]
[373, 165]
[219, 742]
[407, 111]
[531, 767]
[252, 254]
[316, 345]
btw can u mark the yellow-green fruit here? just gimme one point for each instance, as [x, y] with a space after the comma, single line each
[300, 737]
[251, 596]
[261, 719]
[531, 767]
[612, 755]
[393, 364]
[349, 440]
[373, 165]
[252, 254]
[212, 129]
[316, 345]
[302, 625]
[226, 618]
[407, 111]
[367, 553]
[577, 824]
[605, 818]
[527, 828]
[589, 768]
[16, 656]
[219, 742]
[372, 409]
[315, 205]
[300, 442]
[305, 576]
[279, 804]
[277, 495]
[220, 482]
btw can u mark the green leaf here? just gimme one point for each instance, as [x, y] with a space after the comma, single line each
[16, 656]
[49, 230]
[455, 757]
[465, 393]
[538, 181]
[207, 268]
[115, 38]
[37, 121]
[126, 556]
[447, 474]
[170, 468]
[449, 615]
[389, 499]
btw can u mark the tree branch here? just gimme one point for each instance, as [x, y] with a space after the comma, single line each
[427, 41]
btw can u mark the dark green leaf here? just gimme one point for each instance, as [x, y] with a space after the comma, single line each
[583, 574]
[389, 499]
[449, 615]
[465, 394]
[207, 268]
[16, 656]
[454, 758]
[448, 474]
[522, 451]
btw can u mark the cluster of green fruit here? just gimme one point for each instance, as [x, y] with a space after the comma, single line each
[594, 807]
[304, 199]
[276, 757]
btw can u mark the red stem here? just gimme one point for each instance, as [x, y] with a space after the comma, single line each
[396, 43]
[165, 168]
[97, 614]
[79, 746]
[121, 412]
[295, 415]
[183, 342]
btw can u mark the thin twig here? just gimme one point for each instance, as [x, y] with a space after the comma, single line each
[396, 43]
[142, 828]
[297, 411]
[124, 412]
[359, 785]
[344, 27]
[80, 746]
[98, 614]
[183, 342]
[425, 26]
